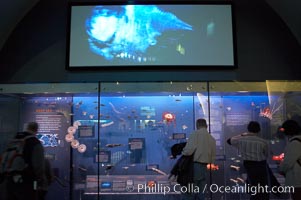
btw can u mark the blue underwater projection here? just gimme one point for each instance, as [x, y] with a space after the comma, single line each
[128, 31]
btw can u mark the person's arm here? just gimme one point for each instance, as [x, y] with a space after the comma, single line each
[213, 150]
[266, 150]
[190, 146]
[234, 140]
[291, 156]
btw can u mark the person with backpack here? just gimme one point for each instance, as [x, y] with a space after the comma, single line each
[291, 164]
[23, 165]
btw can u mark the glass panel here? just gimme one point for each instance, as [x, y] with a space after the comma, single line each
[83, 135]
[9, 118]
[138, 124]
[105, 140]
[232, 106]
[53, 107]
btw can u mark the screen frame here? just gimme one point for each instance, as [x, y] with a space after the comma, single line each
[91, 127]
[105, 152]
[150, 67]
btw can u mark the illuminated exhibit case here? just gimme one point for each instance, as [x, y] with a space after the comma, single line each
[110, 140]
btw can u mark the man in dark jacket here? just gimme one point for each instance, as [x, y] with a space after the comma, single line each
[27, 186]
[183, 169]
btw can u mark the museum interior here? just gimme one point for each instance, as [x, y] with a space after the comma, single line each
[114, 85]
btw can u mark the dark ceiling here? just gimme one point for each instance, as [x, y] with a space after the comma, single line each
[12, 12]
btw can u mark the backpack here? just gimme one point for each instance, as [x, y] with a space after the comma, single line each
[12, 159]
[183, 168]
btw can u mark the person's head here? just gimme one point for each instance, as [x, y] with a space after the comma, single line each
[201, 123]
[32, 127]
[253, 127]
[291, 127]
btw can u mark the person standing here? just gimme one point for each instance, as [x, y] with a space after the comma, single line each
[32, 177]
[202, 146]
[291, 164]
[254, 152]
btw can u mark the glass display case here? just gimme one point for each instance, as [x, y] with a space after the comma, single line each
[113, 140]
[51, 106]
[137, 125]
[234, 104]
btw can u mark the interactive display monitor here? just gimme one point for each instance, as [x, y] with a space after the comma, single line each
[150, 35]
[86, 131]
[177, 136]
[103, 157]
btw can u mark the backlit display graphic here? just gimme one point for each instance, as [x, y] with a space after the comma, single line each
[48, 140]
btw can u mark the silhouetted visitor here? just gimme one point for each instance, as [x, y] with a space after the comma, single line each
[291, 164]
[202, 146]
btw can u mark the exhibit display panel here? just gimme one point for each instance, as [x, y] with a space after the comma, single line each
[233, 105]
[9, 110]
[138, 125]
[113, 140]
[51, 106]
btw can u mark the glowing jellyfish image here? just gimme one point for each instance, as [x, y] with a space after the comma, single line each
[266, 112]
[169, 118]
[126, 32]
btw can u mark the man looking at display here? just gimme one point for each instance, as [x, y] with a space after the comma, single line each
[203, 147]
[254, 152]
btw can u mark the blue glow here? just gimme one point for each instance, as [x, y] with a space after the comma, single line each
[48, 140]
[106, 185]
[128, 31]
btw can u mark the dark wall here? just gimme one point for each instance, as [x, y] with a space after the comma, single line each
[36, 50]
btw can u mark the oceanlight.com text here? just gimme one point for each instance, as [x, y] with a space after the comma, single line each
[213, 188]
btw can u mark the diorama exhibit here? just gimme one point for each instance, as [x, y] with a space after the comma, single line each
[113, 140]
